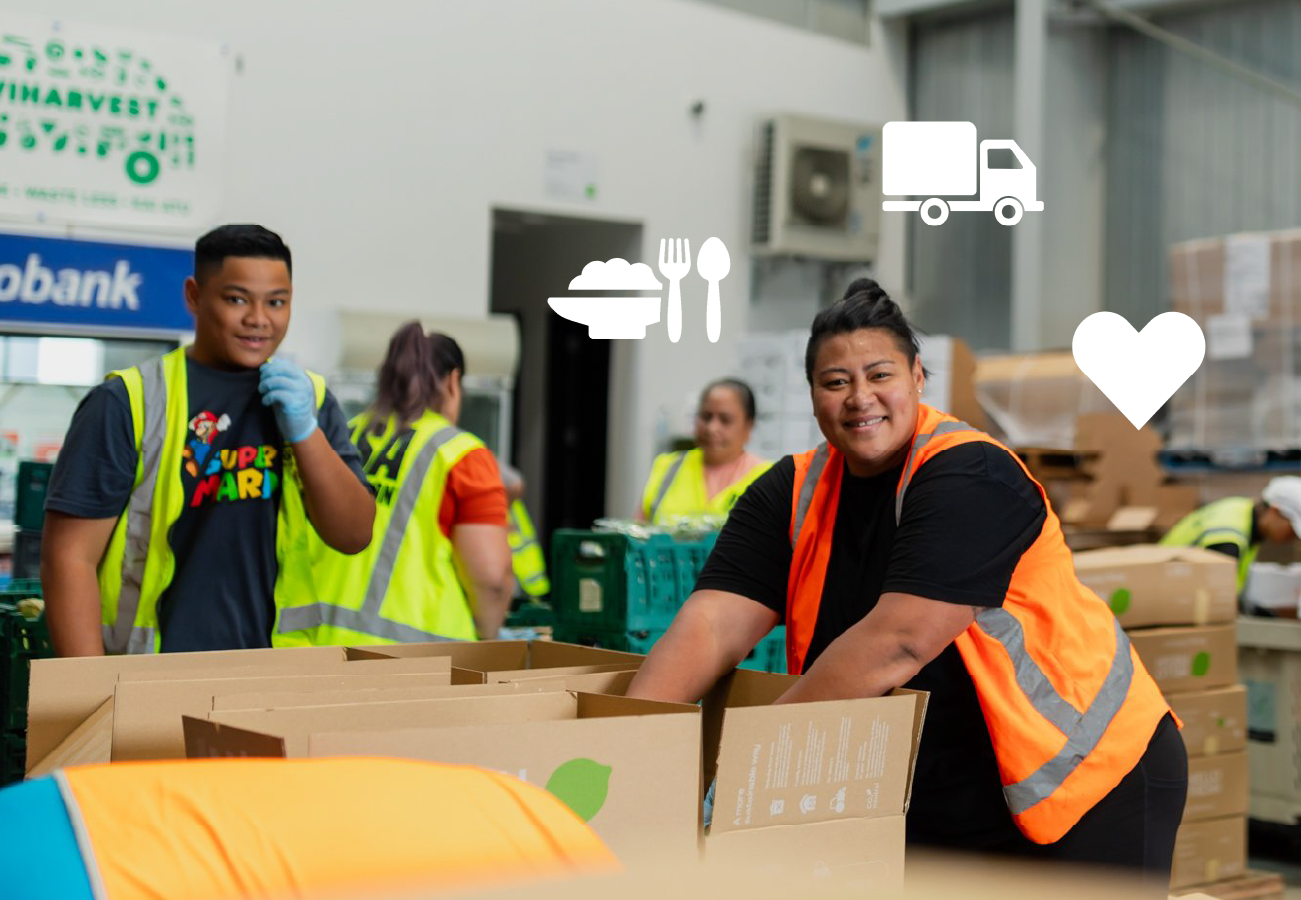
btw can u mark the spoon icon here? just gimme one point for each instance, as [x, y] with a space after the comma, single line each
[713, 264]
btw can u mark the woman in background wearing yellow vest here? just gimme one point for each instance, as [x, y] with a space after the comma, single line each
[710, 478]
[1045, 736]
[438, 564]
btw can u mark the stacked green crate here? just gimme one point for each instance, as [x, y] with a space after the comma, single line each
[29, 517]
[21, 640]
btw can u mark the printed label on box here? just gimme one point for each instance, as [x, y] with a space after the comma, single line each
[1228, 337]
[589, 595]
[1246, 275]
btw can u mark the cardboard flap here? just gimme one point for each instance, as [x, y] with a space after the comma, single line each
[90, 743]
[614, 683]
[555, 654]
[815, 762]
[350, 696]
[558, 672]
[205, 739]
[922, 700]
[467, 676]
[601, 706]
[481, 656]
[737, 689]
[404, 714]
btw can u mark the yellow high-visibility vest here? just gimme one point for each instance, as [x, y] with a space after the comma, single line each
[138, 563]
[676, 487]
[1226, 521]
[402, 588]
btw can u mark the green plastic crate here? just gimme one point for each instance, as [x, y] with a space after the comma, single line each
[609, 582]
[768, 656]
[21, 641]
[13, 758]
[29, 504]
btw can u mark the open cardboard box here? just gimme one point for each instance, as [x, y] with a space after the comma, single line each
[64, 693]
[147, 709]
[811, 788]
[381, 693]
[631, 768]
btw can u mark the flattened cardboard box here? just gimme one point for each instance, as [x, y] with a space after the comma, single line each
[1188, 659]
[147, 713]
[631, 768]
[1209, 850]
[812, 788]
[1147, 584]
[1215, 721]
[1217, 787]
[65, 692]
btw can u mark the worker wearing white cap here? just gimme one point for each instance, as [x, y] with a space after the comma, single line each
[1237, 526]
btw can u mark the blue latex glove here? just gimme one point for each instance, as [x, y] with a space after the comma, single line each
[709, 804]
[287, 389]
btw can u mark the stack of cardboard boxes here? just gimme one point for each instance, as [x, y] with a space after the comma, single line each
[1178, 607]
[1244, 290]
[825, 783]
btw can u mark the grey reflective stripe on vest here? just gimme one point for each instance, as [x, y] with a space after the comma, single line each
[921, 441]
[122, 636]
[367, 620]
[1236, 534]
[816, 465]
[1084, 730]
[301, 618]
[666, 483]
[81, 834]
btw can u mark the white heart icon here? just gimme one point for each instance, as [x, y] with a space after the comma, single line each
[1138, 370]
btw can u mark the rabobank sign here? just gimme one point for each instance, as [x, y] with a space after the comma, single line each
[90, 284]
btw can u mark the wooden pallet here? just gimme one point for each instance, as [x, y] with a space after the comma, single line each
[1251, 885]
[1047, 463]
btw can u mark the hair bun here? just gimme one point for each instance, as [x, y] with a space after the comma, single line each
[862, 286]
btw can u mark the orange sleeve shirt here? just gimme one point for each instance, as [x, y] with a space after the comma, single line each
[474, 494]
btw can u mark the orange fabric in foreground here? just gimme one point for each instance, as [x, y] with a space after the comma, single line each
[226, 828]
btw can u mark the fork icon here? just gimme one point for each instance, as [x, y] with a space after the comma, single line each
[675, 262]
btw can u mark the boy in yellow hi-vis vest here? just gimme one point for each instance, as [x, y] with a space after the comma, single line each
[188, 486]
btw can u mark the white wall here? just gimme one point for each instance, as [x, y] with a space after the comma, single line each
[376, 137]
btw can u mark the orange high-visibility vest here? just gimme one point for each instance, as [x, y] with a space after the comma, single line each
[1069, 707]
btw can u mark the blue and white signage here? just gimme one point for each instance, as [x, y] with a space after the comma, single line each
[89, 284]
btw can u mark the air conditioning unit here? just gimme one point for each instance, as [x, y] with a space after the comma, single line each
[817, 190]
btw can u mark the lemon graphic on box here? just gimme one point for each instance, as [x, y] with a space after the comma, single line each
[581, 784]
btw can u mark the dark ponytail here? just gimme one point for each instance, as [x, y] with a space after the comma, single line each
[865, 305]
[413, 376]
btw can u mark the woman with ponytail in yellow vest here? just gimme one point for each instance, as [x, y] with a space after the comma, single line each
[911, 550]
[438, 564]
[708, 479]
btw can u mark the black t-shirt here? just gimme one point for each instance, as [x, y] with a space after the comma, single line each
[221, 596]
[969, 514]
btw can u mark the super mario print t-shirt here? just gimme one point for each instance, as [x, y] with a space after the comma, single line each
[231, 474]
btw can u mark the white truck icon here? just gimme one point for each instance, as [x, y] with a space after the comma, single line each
[934, 159]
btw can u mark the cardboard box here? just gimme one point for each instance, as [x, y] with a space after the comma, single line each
[1217, 787]
[810, 788]
[1208, 851]
[1215, 721]
[63, 693]
[147, 712]
[1034, 399]
[631, 768]
[951, 382]
[1188, 659]
[1147, 584]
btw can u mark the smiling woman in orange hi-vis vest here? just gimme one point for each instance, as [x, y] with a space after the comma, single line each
[707, 480]
[221, 829]
[438, 564]
[911, 550]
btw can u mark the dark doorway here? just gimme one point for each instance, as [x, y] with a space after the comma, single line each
[562, 392]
